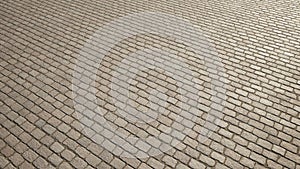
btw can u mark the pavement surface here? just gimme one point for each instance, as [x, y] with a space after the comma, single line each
[149, 84]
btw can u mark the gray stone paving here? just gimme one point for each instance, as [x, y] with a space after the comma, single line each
[149, 84]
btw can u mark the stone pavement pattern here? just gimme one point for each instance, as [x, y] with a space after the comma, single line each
[257, 41]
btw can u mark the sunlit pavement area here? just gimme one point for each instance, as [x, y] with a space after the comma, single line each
[149, 84]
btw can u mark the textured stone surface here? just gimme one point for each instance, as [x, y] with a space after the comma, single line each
[257, 42]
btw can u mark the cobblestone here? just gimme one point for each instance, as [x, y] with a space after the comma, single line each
[257, 126]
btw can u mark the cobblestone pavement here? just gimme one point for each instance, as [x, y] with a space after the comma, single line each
[157, 119]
